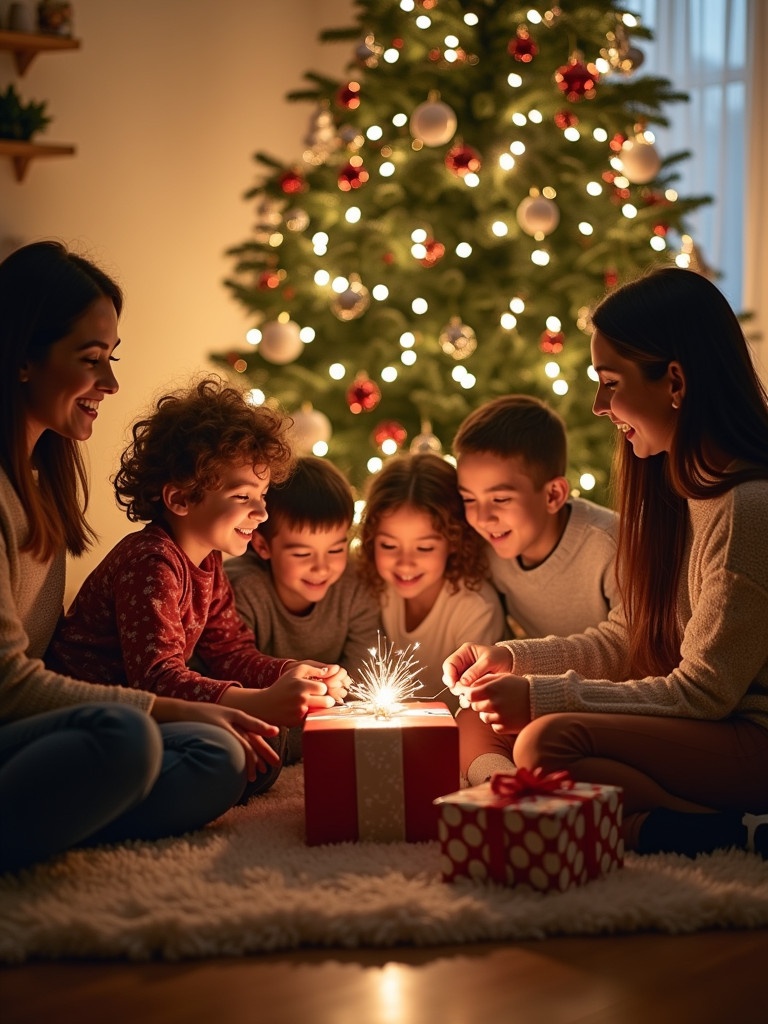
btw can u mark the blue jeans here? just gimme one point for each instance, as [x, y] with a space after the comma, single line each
[101, 773]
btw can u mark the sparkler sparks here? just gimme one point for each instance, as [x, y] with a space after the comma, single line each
[387, 678]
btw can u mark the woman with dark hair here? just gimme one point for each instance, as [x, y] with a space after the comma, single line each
[80, 761]
[669, 697]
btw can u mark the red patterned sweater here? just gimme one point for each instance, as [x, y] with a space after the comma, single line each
[143, 611]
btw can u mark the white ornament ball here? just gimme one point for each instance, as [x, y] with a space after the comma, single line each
[310, 427]
[434, 123]
[280, 342]
[640, 161]
[537, 214]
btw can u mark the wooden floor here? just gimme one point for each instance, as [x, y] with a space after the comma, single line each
[706, 978]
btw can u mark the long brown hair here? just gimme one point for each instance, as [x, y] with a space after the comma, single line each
[721, 439]
[44, 290]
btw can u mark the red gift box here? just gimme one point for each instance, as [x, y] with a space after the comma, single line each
[372, 779]
[526, 828]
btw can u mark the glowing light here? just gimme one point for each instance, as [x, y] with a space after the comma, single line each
[419, 306]
[391, 56]
[683, 259]
[389, 374]
[572, 134]
[320, 238]
[508, 321]
[387, 169]
[253, 337]
[418, 251]
[629, 20]
[387, 678]
[337, 371]
[353, 215]
[540, 257]
[517, 305]
[407, 340]
[463, 250]
[423, 21]
[320, 448]
[375, 132]
[517, 148]
[560, 387]
[506, 161]
[600, 135]
[553, 324]
[407, 5]
[616, 163]
[587, 481]
[629, 210]
[468, 381]
[380, 292]
[594, 188]
[593, 374]
[400, 120]
[339, 285]
[450, 56]
[256, 396]
[452, 41]
[470, 18]
[307, 334]
[389, 446]
[321, 278]
[620, 181]
[534, 17]
[602, 65]
[418, 235]
[552, 369]
[408, 358]
[499, 228]
[585, 228]
[471, 180]
[670, 195]
[519, 120]
[657, 243]
[514, 80]
[459, 373]
[374, 464]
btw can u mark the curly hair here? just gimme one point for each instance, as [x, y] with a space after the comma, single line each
[426, 483]
[190, 438]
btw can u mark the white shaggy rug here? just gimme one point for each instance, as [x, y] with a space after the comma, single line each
[249, 884]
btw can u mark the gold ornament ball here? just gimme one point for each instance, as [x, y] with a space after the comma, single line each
[280, 342]
[538, 215]
[640, 161]
[434, 123]
[310, 427]
[352, 302]
[457, 339]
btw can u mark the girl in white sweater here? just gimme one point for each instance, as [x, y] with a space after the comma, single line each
[669, 697]
[80, 761]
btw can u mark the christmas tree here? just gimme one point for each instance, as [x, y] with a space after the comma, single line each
[479, 178]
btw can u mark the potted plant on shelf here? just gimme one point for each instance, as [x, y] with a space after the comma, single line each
[20, 121]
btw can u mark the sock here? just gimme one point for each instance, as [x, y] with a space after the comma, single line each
[666, 831]
[483, 767]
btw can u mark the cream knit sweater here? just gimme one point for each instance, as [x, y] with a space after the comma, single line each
[722, 612]
[31, 597]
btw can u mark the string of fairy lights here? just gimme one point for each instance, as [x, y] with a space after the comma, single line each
[634, 161]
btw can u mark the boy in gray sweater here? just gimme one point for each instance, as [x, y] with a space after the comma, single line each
[295, 587]
[551, 554]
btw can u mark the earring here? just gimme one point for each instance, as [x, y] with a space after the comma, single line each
[675, 404]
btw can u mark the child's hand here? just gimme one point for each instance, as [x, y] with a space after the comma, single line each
[334, 677]
[244, 727]
[503, 702]
[466, 667]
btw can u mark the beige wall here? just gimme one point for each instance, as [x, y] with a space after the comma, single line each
[166, 103]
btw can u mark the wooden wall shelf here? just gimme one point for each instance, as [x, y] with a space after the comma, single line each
[22, 152]
[25, 45]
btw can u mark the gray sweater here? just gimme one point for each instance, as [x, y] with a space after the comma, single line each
[31, 599]
[722, 611]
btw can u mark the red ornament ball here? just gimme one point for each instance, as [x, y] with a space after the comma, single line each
[462, 160]
[611, 278]
[522, 47]
[363, 395]
[389, 430]
[291, 182]
[577, 80]
[565, 119]
[551, 341]
[348, 96]
[352, 175]
[434, 252]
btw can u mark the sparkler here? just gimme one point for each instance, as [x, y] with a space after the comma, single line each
[387, 678]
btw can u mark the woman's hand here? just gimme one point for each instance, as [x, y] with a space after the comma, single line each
[467, 666]
[246, 729]
[503, 702]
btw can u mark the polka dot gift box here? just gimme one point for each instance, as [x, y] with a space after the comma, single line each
[545, 832]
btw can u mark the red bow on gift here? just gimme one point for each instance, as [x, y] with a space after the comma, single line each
[511, 785]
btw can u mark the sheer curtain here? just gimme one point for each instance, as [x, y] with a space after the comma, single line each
[715, 50]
